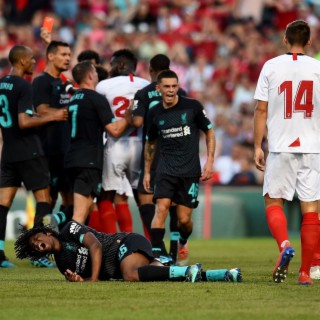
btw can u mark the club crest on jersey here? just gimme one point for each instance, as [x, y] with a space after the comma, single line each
[161, 122]
[184, 118]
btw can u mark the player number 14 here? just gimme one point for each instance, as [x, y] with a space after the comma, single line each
[302, 101]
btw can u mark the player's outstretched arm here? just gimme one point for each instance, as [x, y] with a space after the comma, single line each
[260, 121]
[95, 251]
[117, 128]
[211, 146]
[29, 121]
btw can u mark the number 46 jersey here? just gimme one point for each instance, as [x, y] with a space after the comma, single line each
[290, 83]
[119, 91]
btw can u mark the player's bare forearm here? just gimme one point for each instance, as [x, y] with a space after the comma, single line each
[211, 143]
[149, 152]
[211, 146]
[117, 128]
[260, 121]
[95, 251]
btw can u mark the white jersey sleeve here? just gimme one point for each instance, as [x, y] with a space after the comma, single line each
[290, 84]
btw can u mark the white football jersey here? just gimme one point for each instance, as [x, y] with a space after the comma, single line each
[290, 83]
[119, 91]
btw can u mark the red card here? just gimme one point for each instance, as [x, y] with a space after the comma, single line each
[48, 23]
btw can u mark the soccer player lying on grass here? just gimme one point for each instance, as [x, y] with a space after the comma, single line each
[83, 254]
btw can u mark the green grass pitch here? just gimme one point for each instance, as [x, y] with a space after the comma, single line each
[27, 292]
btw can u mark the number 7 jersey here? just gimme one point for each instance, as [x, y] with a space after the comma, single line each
[290, 83]
[119, 91]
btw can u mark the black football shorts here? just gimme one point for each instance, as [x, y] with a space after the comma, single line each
[33, 173]
[85, 181]
[59, 179]
[183, 191]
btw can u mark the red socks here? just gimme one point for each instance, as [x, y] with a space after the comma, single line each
[108, 217]
[277, 223]
[309, 239]
[124, 217]
[94, 220]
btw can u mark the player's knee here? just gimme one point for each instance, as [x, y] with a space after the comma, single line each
[184, 220]
[162, 210]
[132, 276]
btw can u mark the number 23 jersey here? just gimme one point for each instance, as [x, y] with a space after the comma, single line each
[290, 83]
[16, 97]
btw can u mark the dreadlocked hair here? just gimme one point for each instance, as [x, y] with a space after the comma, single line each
[22, 246]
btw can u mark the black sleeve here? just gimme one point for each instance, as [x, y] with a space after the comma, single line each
[25, 99]
[74, 232]
[104, 110]
[41, 91]
[152, 131]
[201, 117]
[141, 104]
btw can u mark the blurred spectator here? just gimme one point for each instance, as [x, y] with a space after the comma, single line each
[243, 94]
[143, 20]
[226, 166]
[66, 9]
[217, 47]
[198, 74]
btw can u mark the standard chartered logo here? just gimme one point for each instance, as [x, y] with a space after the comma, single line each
[176, 132]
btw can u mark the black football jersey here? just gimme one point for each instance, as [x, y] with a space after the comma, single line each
[177, 131]
[16, 97]
[55, 136]
[75, 256]
[89, 112]
[144, 100]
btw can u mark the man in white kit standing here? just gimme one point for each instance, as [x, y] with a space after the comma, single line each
[289, 106]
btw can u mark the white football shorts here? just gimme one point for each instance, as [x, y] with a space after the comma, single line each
[121, 160]
[289, 172]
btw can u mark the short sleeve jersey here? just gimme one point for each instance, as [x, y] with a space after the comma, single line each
[75, 256]
[144, 100]
[119, 91]
[177, 131]
[16, 97]
[51, 91]
[89, 112]
[290, 84]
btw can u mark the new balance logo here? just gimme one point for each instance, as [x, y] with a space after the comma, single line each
[83, 251]
[74, 228]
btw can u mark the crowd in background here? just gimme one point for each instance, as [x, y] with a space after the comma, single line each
[216, 47]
